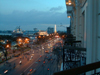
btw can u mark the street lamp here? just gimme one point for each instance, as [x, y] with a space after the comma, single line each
[19, 41]
[69, 2]
[7, 46]
[26, 40]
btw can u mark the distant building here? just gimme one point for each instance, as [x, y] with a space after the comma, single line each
[35, 29]
[29, 33]
[42, 33]
[50, 30]
[7, 32]
[17, 32]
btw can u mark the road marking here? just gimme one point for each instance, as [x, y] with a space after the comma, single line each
[31, 65]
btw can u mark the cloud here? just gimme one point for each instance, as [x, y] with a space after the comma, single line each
[32, 19]
[56, 8]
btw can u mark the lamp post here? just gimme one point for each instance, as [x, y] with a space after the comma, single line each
[20, 43]
[26, 41]
[7, 46]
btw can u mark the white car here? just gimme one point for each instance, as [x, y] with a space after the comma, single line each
[30, 59]
[6, 71]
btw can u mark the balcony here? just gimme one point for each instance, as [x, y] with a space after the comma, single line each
[69, 11]
[81, 70]
[74, 60]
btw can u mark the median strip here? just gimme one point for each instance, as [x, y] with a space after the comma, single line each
[31, 64]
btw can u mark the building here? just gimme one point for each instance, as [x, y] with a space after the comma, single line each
[50, 30]
[43, 33]
[7, 32]
[17, 32]
[35, 29]
[29, 33]
[85, 26]
[68, 30]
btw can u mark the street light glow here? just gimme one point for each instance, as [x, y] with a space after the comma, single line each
[7, 46]
[69, 3]
[19, 39]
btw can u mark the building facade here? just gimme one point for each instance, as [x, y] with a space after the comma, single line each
[85, 26]
[50, 30]
[29, 33]
[42, 33]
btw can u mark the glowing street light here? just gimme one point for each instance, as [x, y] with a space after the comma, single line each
[69, 2]
[7, 46]
[26, 40]
[19, 39]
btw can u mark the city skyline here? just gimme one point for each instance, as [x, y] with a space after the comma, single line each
[33, 14]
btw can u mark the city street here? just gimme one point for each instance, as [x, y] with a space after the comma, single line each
[33, 62]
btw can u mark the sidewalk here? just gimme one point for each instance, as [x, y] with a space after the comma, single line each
[10, 60]
[11, 57]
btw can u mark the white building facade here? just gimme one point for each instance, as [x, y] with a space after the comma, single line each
[85, 26]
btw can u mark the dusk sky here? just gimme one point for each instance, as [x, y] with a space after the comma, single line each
[29, 14]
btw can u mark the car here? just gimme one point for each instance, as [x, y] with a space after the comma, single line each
[40, 55]
[30, 59]
[46, 51]
[39, 60]
[48, 69]
[6, 71]
[31, 56]
[44, 62]
[34, 70]
[31, 70]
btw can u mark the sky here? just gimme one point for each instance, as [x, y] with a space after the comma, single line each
[29, 14]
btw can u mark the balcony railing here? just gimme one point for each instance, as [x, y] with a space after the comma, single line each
[76, 68]
[82, 69]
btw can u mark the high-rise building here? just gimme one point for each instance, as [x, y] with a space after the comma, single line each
[50, 30]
